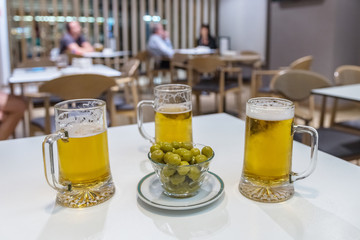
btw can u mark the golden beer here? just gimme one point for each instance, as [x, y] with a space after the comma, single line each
[267, 174]
[82, 175]
[173, 123]
[268, 151]
[84, 160]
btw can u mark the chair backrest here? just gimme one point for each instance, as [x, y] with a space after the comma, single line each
[303, 63]
[296, 85]
[130, 67]
[71, 56]
[78, 86]
[143, 56]
[37, 62]
[208, 64]
[347, 74]
[179, 58]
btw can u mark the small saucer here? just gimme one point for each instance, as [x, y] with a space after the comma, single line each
[150, 191]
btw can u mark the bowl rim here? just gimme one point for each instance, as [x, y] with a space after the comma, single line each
[190, 165]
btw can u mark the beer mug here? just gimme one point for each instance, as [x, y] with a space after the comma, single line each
[173, 114]
[82, 175]
[267, 175]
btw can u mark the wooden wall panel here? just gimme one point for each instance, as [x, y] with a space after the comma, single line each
[86, 14]
[182, 18]
[142, 25]
[134, 26]
[175, 24]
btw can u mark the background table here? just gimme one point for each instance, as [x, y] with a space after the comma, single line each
[325, 205]
[346, 92]
[106, 54]
[196, 51]
[23, 76]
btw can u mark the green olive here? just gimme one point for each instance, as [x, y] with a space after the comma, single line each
[195, 151]
[168, 171]
[183, 169]
[194, 173]
[176, 179]
[157, 155]
[180, 151]
[175, 144]
[174, 159]
[155, 147]
[187, 156]
[187, 145]
[200, 158]
[207, 151]
[166, 147]
[166, 156]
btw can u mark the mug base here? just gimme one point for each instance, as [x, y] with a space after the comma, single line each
[265, 193]
[87, 197]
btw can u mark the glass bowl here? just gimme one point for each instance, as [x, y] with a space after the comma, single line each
[181, 181]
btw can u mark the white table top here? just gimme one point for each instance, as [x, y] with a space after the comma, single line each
[106, 54]
[325, 205]
[348, 92]
[42, 74]
[196, 51]
[240, 58]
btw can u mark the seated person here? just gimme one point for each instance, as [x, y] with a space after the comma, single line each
[12, 110]
[73, 41]
[205, 38]
[159, 45]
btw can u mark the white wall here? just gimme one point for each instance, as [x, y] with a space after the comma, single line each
[244, 21]
[4, 46]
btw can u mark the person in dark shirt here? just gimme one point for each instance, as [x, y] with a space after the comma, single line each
[205, 38]
[73, 41]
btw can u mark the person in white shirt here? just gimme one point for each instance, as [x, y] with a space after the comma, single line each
[159, 45]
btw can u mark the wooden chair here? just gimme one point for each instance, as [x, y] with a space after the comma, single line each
[344, 75]
[179, 61]
[256, 65]
[144, 59]
[296, 85]
[125, 104]
[156, 70]
[69, 87]
[71, 56]
[208, 74]
[258, 85]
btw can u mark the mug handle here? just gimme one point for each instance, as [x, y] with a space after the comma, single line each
[313, 153]
[140, 119]
[49, 157]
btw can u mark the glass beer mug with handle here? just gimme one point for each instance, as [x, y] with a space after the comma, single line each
[173, 114]
[267, 175]
[82, 177]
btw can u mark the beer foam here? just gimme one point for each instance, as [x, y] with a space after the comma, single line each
[84, 130]
[269, 109]
[81, 123]
[173, 109]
